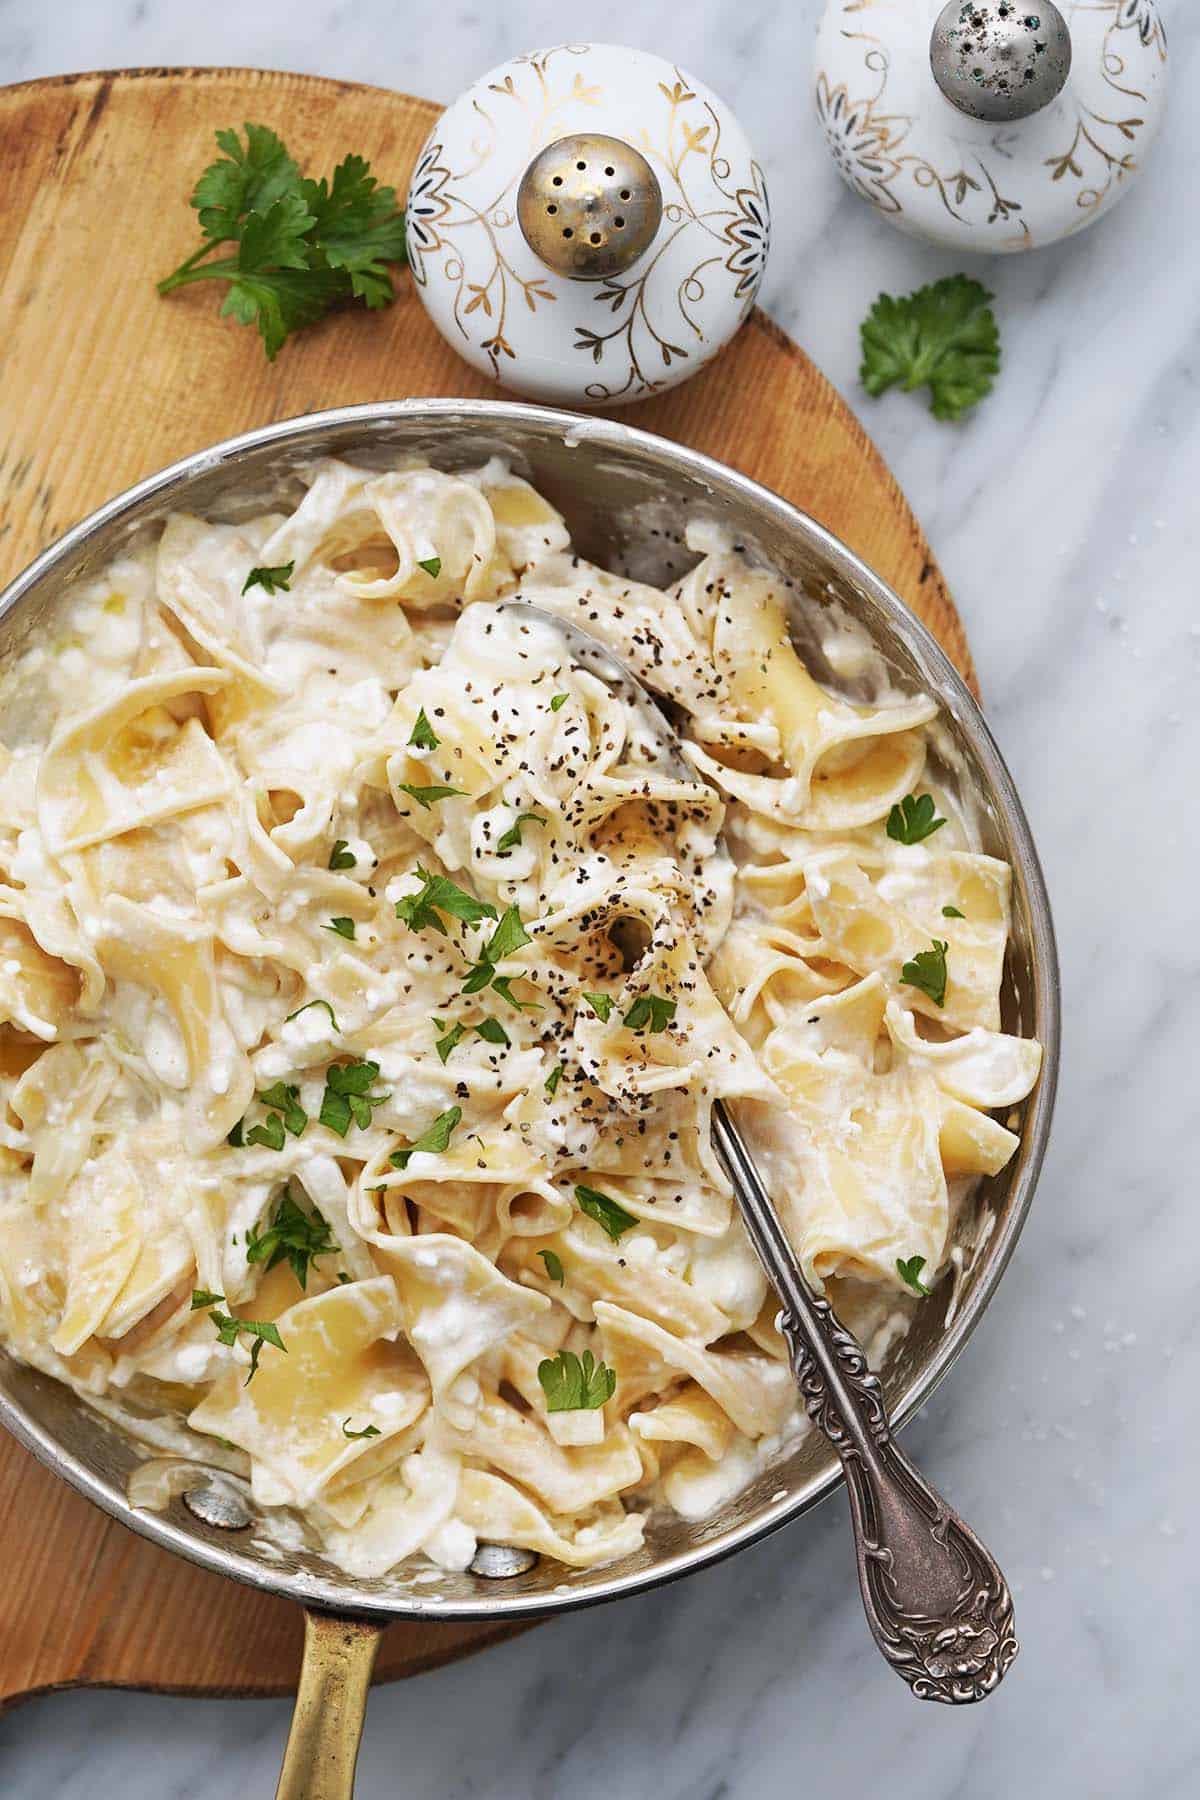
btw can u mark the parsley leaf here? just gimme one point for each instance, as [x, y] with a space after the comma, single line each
[269, 1134]
[432, 1141]
[294, 1236]
[910, 1273]
[432, 566]
[427, 796]
[423, 735]
[343, 927]
[440, 895]
[512, 837]
[368, 1431]
[650, 1012]
[235, 1137]
[508, 936]
[310, 1003]
[346, 1097]
[943, 336]
[554, 1268]
[607, 1213]
[913, 819]
[927, 971]
[202, 1298]
[358, 228]
[558, 702]
[601, 1005]
[342, 858]
[299, 247]
[493, 1032]
[571, 1384]
[952, 912]
[550, 1085]
[261, 1330]
[272, 580]
[284, 1097]
[502, 985]
[452, 1037]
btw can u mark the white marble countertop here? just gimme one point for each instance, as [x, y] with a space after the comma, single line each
[1064, 515]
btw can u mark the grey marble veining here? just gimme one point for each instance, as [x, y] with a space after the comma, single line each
[1065, 518]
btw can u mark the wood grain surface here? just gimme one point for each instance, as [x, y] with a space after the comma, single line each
[102, 382]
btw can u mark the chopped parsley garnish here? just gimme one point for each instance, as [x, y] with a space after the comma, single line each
[914, 819]
[343, 927]
[269, 1133]
[512, 837]
[452, 1036]
[202, 1298]
[428, 797]
[309, 1003]
[293, 1236]
[910, 1273]
[432, 566]
[347, 1096]
[261, 1330]
[368, 1431]
[431, 1142]
[574, 1384]
[943, 336]
[422, 735]
[508, 937]
[272, 581]
[554, 1268]
[440, 895]
[342, 858]
[601, 1005]
[608, 1214]
[558, 702]
[552, 1080]
[952, 912]
[649, 1012]
[297, 248]
[927, 971]
[493, 1032]
[284, 1097]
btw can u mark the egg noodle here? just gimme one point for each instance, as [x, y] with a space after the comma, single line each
[367, 989]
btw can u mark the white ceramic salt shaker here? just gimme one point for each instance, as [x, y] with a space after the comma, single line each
[991, 125]
[587, 225]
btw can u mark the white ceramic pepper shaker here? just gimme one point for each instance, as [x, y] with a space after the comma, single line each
[587, 225]
[991, 125]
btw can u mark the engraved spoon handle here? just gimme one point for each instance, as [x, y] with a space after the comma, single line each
[936, 1602]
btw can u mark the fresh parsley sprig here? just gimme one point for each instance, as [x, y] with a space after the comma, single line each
[927, 972]
[573, 1384]
[554, 1268]
[650, 1012]
[943, 337]
[913, 819]
[341, 857]
[298, 247]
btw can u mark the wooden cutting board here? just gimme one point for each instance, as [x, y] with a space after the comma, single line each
[102, 382]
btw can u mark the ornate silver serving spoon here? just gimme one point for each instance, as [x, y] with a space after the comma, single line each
[938, 1606]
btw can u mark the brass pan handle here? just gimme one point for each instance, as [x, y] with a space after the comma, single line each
[331, 1701]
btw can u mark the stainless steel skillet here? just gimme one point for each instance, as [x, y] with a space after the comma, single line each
[625, 495]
